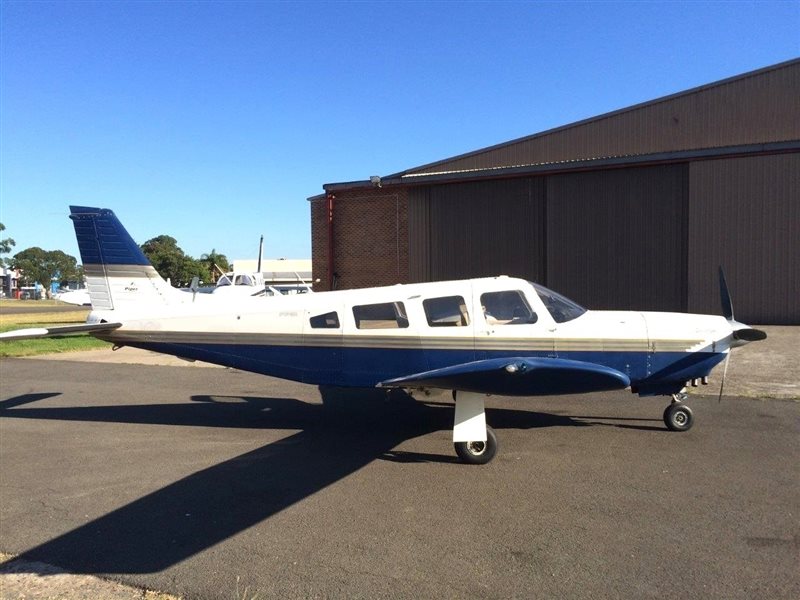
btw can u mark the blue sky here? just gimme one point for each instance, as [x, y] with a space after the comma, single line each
[214, 121]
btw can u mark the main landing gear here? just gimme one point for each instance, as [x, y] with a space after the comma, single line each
[678, 416]
[474, 441]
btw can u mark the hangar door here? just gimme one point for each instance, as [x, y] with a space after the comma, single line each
[477, 229]
[617, 239]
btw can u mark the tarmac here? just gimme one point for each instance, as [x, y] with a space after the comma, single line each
[765, 370]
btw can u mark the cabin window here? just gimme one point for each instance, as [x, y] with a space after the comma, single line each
[243, 280]
[449, 311]
[387, 315]
[327, 321]
[507, 308]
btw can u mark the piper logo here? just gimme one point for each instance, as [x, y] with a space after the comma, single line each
[132, 287]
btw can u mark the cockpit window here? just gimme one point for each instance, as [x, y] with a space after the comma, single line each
[561, 309]
[244, 280]
[224, 280]
[507, 308]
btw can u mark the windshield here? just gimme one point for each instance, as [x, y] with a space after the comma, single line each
[561, 309]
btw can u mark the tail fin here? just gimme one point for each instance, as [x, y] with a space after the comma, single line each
[118, 274]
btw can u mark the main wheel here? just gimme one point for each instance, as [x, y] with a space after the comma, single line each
[478, 453]
[678, 417]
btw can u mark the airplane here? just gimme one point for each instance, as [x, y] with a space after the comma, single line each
[469, 338]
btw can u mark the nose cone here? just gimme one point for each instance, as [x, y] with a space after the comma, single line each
[746, 334]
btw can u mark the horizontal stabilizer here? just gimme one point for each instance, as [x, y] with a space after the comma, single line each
[516, 376]
[38, 332]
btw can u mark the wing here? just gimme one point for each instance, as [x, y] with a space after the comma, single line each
[37, 332]
[515, 376]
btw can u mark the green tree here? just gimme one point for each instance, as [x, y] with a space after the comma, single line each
[194, 268]
[172, 263]
[44, 266]
[166, 257]
[215, 263]
[31, 264]
[5, 247]
[63, 267]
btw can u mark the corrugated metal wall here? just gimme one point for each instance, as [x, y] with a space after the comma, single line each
[745, 216]
[617, 239]
[762, 107]
[477, 229]
[638, 238]
[607, 239]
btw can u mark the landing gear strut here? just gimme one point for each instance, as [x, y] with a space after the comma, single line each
[678, 416]
[475, 443]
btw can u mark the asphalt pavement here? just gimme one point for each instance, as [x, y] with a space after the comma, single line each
[197, 482]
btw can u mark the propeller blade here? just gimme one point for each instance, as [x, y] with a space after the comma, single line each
[724, 374]
[725, 296]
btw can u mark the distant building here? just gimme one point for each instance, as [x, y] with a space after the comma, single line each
[633, 209]
[9, 282]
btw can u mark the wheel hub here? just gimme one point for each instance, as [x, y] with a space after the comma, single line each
[476, 448]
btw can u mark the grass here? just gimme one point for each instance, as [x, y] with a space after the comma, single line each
[67, 343]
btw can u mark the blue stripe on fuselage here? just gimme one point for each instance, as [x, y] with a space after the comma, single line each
[650, 373]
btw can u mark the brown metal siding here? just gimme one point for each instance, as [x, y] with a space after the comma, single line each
[617, 239]
[419, 234]
[480, 229]
[745, 216]
[763, 107]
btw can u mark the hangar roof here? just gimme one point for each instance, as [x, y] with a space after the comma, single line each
[750, 113]
[756, 107]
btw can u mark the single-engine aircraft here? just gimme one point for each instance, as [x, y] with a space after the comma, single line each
[473, 338]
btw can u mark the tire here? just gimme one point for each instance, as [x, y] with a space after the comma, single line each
[678, 417]
[478, 453]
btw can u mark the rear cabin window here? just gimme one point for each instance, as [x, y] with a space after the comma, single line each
[507, 308]
[387, 315]
[327, 321]
[449, 311]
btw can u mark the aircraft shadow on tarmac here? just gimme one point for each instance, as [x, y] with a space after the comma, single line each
[347, 431]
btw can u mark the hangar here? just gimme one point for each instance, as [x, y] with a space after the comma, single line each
[632, 209]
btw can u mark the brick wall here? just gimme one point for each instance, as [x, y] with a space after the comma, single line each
[370, 232]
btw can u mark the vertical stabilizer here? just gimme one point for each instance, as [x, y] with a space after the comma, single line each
[118, 274]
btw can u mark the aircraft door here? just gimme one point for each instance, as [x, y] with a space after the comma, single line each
[510, 321]
[322, 344]
[447, 327]
[381, 340]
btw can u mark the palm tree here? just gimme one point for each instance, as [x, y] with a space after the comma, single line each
[217, 264]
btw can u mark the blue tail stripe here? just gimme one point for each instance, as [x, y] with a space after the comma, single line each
[102, 240]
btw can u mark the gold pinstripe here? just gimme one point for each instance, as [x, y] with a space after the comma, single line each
[409, 342]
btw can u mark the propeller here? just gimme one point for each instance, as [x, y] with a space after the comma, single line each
[724, 374]
[727, 312]
[740, 332]
[725, 296]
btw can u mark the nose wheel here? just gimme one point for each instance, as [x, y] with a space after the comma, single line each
[678, 416]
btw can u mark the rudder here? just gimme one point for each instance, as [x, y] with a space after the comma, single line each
[118, 274]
